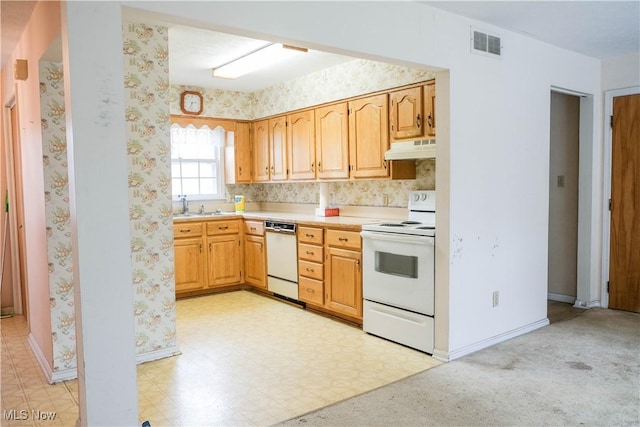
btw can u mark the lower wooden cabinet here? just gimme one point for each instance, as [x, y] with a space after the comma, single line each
[343, 273]
[207, 255]
[255, 269]
[190, 264]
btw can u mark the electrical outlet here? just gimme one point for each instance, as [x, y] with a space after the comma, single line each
[496, 298]
[561, 181]
[385, 200]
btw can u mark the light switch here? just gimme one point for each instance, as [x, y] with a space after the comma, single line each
[560, 180]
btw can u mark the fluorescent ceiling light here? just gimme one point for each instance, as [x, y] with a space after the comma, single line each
[256, 60]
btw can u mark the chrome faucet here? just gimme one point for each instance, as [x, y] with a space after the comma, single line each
[185, 205]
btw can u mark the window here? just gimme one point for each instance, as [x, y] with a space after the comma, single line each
[197, 167]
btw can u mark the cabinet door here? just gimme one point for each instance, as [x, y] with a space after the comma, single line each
[332, 141]
[260, 139]
[242, 153]
[343, 282]
[406, 113]
[301, 145]
[368, 136]
[278, 148]
[223, 263]
[189, 264]
[430, 109]
[254, 261]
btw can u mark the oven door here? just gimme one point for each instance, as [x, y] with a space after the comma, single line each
[398, 270]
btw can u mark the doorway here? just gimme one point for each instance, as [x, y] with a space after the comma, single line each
[563, 197]
[624, 206]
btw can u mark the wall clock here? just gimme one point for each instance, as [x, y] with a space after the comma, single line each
[191, 102]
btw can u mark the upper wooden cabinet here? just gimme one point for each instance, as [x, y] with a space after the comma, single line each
[368, 136]
[430, 109]
[238, 155]
[332, 141]
[406, 114]
[260, 139]
[301, 145]
[278, 148]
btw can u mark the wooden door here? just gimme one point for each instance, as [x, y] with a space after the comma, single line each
[301, 145]
[278, 148]
[260, 138]
[254, 261]
[368, 136]
[406, 113]
[242, 153]
[332, 141]
[624, 258]
[223, 264]
[430, 110]
[343, 282]
[189, 264]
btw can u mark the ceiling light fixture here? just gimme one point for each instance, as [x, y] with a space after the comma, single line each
[256, 60]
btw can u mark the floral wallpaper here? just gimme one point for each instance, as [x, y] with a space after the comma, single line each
[342, 193]
[147, 93]
[58, 218]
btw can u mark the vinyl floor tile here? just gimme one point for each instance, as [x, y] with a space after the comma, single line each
[245, 360]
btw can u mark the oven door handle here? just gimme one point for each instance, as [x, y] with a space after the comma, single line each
[402, 238]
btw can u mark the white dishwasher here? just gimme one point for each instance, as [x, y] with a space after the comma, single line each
[282, 259]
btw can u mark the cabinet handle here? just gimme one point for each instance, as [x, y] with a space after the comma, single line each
[358, 264]
[209, 247]
[309, 253]
[384, 163]
[310, 235]
[320, 166]
[266, 169]
[311, 291]
[240, 170]
[223, 228]
[252, 228]
[418, 120]
[200, 247]
[430, 120]
[310, 270]
[188, 230]
[312, 164]
[343, 239]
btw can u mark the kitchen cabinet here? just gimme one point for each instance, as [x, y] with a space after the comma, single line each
[189, 257]
[238, 155]
[405, 113]
[368, 137]
[255, 263]
[260, 139]
[310, 265]
[224, 265]
[278, 148]
[430, 109]
[332, 141]
[343, 273]
[301, 145]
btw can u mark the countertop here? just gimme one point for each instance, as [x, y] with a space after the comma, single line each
[343, 222]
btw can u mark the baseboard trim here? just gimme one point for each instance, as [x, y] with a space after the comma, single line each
[40, 358]
[158, 354]
[445, 356]
[561, 298]
[7, 311]
[64, 375]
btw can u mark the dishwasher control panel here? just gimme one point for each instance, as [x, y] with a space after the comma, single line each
[284, 227]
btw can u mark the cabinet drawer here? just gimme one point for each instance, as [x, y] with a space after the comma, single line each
[187, 229]
[310, 269]
[223, 227]
[311, 291]
[310, 235]
[310, 252]
[344, 239]
[254, 227]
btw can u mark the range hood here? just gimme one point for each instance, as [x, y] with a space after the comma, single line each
[406, 150]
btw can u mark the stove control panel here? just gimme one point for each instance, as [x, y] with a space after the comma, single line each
[422, 200]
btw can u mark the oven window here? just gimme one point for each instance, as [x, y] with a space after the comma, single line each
[397, 265]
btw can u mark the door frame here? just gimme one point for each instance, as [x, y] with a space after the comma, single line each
[606, 216]
[16, 258]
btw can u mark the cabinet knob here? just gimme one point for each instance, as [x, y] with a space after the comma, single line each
[418, 120]
[343, 239]
[430, 120]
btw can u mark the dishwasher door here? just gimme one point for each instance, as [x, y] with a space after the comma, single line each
[282, 263]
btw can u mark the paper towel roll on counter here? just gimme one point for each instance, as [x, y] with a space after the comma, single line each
[324, 195]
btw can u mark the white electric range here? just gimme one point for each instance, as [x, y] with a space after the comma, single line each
[398, 259]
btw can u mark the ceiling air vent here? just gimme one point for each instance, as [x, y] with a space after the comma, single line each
[484, 43]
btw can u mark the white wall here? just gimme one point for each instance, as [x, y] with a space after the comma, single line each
[621, 72]
[497, 149]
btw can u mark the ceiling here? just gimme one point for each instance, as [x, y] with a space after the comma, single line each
[600, 29]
